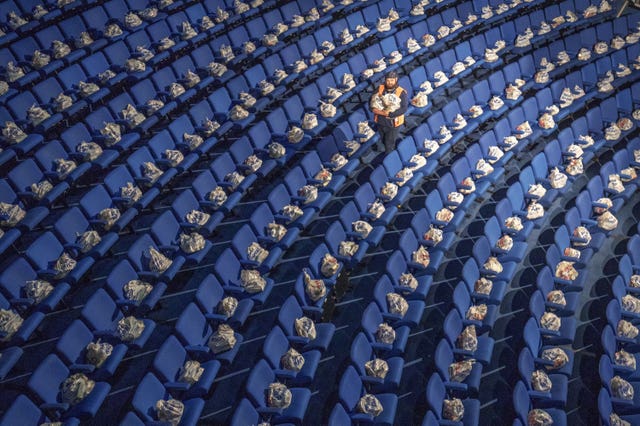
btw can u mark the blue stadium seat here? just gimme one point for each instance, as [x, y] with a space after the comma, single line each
[471, 274]
[119, 276]
[208, 297]
[31, 322]
[397, 265]
[203, 184]
[169, 361]
[279, 198]
[523, 405]
[194, 331]
[351, 389]
[534, 343]
[74, 223]
[228, 269]
[275, 346]
[241, 149]
[150, 390]
[443, 358]
[348, 215]
[557, 396]
[222, 166]
[260, 378]
[606, 408]
[136, 163]
[462, 301]
[260, 220]
[493, 233]
[371, 319]
[102, 315]
[97, 120]
[624, 405]
[181, 126]
[45, 384]
[72, 350]
[361, 353]
[166, 231]
[98, 199]
[335, 235]
[44, 252]
[184, 204]
[564, 335]
[163, 141]
[138, 255]
[24, 411]
[415, 307]
[20, 104]
[315, 264]
[436, 393]
[453, 325]
[289, 312]
[48, 157]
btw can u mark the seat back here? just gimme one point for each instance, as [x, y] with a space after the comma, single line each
[148, 392]
[275, 346]
[192, 327]
[350, 388]
[169, 359]
[209, 294]
[46, 379]
[289, 312]
[436, 393]
[260, 378]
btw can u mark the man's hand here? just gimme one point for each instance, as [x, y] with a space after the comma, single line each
[380, 112]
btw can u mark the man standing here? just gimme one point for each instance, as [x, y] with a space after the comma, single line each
[389, 115]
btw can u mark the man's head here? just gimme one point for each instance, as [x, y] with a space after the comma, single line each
[391, 80]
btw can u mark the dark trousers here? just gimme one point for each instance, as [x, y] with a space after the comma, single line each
[388, 136]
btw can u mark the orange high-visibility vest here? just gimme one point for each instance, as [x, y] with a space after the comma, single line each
[399, 120]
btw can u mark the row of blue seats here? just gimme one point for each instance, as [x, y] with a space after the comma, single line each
[537, 338]
[586, 201]
[611, 343]
[582, 214]
[536, 305]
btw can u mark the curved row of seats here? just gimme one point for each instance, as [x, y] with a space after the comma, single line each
[613, 342]
[535, 331]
